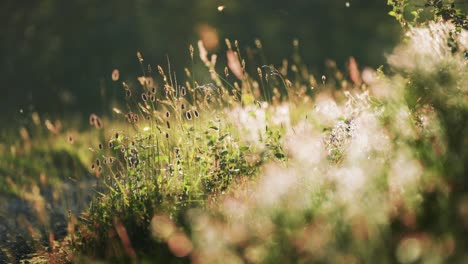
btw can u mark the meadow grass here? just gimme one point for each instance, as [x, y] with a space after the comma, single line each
[265, 164]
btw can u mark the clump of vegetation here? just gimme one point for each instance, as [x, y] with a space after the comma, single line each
[267, 164]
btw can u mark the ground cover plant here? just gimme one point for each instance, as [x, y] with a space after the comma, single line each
[253, 163]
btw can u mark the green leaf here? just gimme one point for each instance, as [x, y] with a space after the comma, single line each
[243, 148]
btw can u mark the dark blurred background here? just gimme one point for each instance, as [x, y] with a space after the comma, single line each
[56, 55]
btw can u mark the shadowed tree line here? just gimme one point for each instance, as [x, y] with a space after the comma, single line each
[56, 55]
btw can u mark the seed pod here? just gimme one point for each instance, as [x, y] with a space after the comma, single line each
[111, 145]
[100, 146]
[182, 106]
[116, 135]
[128, 93]
[195, 112]
[168, 125]
[168, 114]
[183, 92]
[144, 97]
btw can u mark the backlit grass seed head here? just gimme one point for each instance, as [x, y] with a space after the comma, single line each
[161, 71]
[36, 119]
[140, 57]
[70, 139]
[92, 119]
[95, 121]
[228, 43]
[188, 73]
[191, 50]
[234, 64]
[98, 123]
[188, 115]
[115, 75]
[203, 53]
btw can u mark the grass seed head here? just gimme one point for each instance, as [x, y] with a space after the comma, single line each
[188, 115]
[115, 75]
[70, 139]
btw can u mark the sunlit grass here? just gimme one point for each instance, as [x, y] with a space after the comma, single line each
[263, 163]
